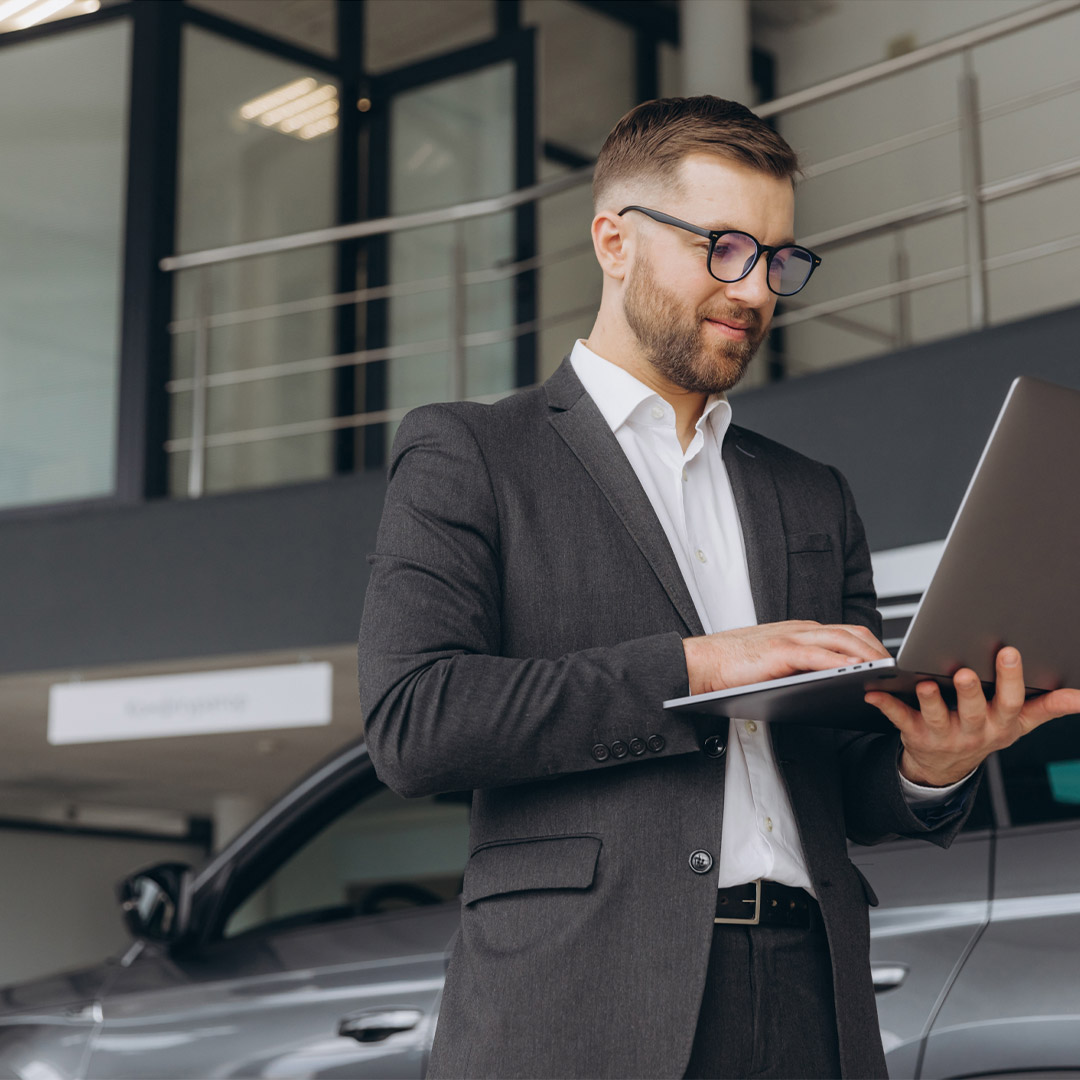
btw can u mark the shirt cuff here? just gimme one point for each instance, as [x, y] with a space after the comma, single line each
[919, 796]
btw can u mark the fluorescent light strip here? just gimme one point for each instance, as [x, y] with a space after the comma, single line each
[294, 123]
[300, 105]
[12, 7]
[39, 13]
[257, 106]
[320, 127]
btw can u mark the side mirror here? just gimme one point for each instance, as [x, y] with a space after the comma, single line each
[156, 902]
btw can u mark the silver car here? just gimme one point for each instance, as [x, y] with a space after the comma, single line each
[315, 944]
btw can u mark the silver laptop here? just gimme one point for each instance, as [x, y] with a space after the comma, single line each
[1009, 575]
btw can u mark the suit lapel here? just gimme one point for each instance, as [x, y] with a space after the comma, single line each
[583, 428]
[754, 489]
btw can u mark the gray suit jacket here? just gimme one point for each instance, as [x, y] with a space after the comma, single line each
[524, 610]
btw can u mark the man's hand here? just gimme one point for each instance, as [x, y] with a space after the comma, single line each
[773, 650]
[943, 746]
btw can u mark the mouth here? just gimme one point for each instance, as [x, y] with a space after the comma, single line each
[733, 330]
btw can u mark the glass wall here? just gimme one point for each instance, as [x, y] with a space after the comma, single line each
[258, 159]
[451, 142]
[63, 114]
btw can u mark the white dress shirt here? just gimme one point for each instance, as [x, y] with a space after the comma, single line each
[691, 495]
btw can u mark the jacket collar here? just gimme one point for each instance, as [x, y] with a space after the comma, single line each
[579, 422]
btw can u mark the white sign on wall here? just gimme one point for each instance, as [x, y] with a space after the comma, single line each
[207, 702]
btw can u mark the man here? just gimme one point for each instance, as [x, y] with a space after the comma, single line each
[550, 569]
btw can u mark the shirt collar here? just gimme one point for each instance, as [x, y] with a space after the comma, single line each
[620, 396]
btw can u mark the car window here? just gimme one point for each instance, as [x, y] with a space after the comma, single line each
[1042, 773]
[385, 853]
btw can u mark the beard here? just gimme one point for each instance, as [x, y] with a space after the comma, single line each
[674, 340]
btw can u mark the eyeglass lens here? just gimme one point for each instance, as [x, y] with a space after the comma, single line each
[734, 255]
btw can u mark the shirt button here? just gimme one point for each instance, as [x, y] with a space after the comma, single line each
[701, 555]
[768, 824]
[658, 412]
[751, 726]
[684, 476]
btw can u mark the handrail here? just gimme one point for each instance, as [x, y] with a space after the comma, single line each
[936, 50]
[360, 230]
[974, 195]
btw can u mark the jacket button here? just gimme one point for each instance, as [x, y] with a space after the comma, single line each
[637, 746]
[656, 743]
[619, 748]
[715, 746]
[700, 861]
[601, 752]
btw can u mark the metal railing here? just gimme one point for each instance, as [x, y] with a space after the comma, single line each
[969, 202]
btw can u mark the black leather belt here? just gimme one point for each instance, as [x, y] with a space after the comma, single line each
[767, 903]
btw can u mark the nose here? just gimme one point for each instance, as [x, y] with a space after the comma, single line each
[753, 290]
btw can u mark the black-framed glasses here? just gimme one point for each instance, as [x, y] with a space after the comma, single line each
[733, 254]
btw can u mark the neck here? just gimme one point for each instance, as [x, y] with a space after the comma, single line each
[618, 346]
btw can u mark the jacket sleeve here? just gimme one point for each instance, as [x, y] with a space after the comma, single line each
[875, 809]
[443, 710]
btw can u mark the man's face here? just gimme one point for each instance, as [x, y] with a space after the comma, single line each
[699, 333]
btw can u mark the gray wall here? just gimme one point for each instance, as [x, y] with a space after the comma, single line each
[907, 429]
[285, 567]
[57, 904]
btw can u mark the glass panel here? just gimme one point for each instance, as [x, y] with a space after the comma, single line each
[63, 112]
[310, 23]
[386, 853]
[258, 153]
[586, 73]
[1042, 773]
[396, 34]
[451, 142]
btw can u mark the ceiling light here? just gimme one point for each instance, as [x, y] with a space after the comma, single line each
[257, 106]
[320, 127]
[40, 13]
[303, 108]
[294, 123]
[293, 108]
[12, 6]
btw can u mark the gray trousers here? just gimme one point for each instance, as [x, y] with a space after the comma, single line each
[768, 1009]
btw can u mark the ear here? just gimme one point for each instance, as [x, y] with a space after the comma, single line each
[612, 243]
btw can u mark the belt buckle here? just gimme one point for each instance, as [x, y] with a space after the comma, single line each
[757, 908]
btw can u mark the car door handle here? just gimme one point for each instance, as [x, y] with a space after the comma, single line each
[375, 1026]
[887, 976]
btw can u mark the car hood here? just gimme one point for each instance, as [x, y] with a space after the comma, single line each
[63, 989]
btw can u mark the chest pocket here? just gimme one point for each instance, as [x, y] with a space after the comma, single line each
[815, 580]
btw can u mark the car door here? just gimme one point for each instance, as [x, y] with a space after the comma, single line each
[328, 962]
[933, 905]
[1015, 1007]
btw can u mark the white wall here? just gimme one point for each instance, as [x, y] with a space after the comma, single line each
[57, 905]
[854, 33]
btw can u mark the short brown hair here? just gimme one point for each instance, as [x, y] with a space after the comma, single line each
[651, 140]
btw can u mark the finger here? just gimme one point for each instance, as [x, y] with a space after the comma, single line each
[900, 715]
[1048, 707]
[818, 658]
[1009, 691]
[971, 704]
[868, 636]
[841, 640]
[932, 706]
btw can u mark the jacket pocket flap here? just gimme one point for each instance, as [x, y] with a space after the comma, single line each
[809, 542]
[548, 862]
